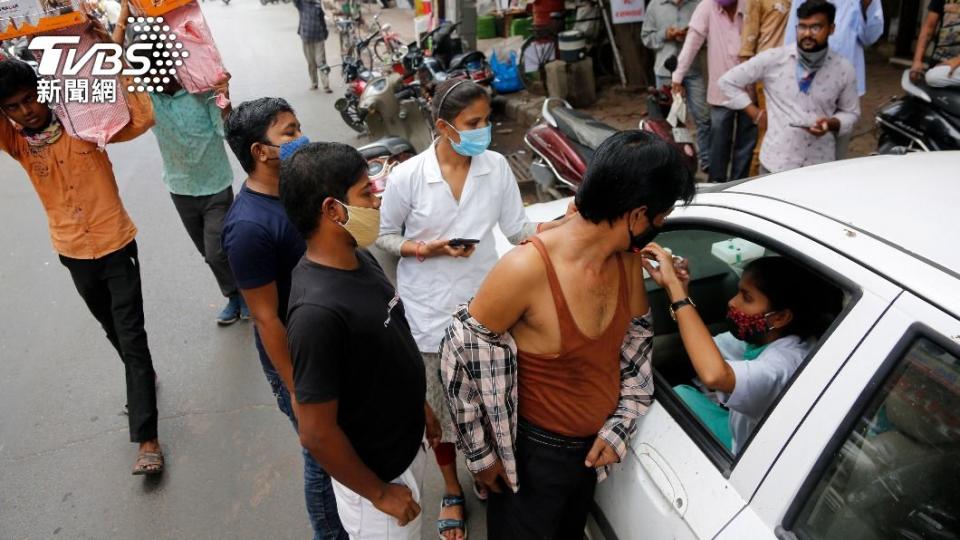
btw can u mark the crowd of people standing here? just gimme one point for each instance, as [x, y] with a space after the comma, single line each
[783, 80]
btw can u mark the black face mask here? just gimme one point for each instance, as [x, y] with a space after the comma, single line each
[640, 241]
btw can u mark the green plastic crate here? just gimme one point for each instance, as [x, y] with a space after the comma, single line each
[521, 27]
[486, 27]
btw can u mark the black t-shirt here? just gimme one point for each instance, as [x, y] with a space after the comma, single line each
[350, 341]
[261, 244]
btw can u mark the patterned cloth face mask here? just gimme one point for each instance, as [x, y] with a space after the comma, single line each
[749, 328]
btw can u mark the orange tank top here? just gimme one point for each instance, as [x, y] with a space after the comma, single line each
[573, 392]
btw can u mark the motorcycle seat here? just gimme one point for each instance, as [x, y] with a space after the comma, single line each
[581, 127]
[387, 146]
[460, 61]
[947, 99]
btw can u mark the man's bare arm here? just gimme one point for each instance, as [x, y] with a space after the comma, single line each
[263, 302]
[322, 437]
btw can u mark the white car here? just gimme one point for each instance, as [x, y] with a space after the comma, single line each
[865, 440]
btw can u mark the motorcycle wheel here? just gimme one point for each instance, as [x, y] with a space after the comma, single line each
[352, 117]
[887, 145]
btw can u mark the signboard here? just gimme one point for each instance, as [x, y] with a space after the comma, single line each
[627, 11]
[26, 17]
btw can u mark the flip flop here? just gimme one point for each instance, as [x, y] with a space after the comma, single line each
[148, 463]
[444, 525]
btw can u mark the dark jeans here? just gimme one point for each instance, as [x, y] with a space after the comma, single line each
[110, 286]
[730, 132]
[321, 503]
[556, 489]
[203, 218]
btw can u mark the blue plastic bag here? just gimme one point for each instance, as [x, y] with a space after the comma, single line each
[506, 76]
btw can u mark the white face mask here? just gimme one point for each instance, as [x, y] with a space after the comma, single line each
[362, 223]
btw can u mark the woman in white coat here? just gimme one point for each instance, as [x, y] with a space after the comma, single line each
[438, 214]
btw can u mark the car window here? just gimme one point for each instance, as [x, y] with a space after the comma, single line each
[722, 424]
[897, 472]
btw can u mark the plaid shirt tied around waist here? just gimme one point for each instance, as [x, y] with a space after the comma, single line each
[479, 373]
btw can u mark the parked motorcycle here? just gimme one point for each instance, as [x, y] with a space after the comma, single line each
[444, 60]
[382, 156]
[926, 119]
[391, 108]
[448, 48]
[356, 75]
[565, 140]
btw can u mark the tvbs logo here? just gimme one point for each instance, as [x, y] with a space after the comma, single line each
[155, 52]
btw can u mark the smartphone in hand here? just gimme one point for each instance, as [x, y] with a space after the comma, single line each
[800, 126]
[463, 242]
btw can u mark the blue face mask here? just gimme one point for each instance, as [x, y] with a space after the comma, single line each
[472, 143]
[288, 148]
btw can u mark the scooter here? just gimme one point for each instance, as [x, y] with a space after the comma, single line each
[448, 48]
[389, 107]
[926, 119]
[382, 156]
[565, 140]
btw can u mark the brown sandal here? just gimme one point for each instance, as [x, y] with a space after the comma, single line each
[148, 463]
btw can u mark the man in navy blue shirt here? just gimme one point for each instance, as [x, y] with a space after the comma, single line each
[263, 247]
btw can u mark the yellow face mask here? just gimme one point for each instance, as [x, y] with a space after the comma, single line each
[363, 224]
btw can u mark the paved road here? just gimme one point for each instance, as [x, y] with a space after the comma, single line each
[234, 466]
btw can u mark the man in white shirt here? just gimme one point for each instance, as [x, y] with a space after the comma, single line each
[811, 94]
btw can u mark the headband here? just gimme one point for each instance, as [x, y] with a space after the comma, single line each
[447, 93]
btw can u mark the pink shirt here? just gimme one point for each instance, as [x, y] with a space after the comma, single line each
[711, 23]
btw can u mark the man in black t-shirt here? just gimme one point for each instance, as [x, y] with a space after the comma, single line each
[358, 375]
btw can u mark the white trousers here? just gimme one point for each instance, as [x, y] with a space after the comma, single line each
[363, 521]
[940, 77]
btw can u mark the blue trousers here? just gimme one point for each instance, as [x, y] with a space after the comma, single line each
[321, 504]
[696, 99]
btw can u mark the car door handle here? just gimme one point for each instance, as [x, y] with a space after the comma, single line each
[663, 477]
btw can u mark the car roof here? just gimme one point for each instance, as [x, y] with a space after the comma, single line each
[910, 202]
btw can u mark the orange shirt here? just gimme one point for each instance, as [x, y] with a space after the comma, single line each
[77, 188]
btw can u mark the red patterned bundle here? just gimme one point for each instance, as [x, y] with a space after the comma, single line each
[91, 121]
[202, 66]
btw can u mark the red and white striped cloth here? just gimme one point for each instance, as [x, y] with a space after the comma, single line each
[203, 68]
[94, 122]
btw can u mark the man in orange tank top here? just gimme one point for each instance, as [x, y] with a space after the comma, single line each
[549, 366]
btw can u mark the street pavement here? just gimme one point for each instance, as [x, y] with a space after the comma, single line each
[234, 469]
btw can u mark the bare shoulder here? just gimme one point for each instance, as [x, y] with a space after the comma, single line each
[507, 292]
[521, 266]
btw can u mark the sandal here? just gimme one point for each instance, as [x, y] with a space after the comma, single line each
[148, 463]
[444, 525]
